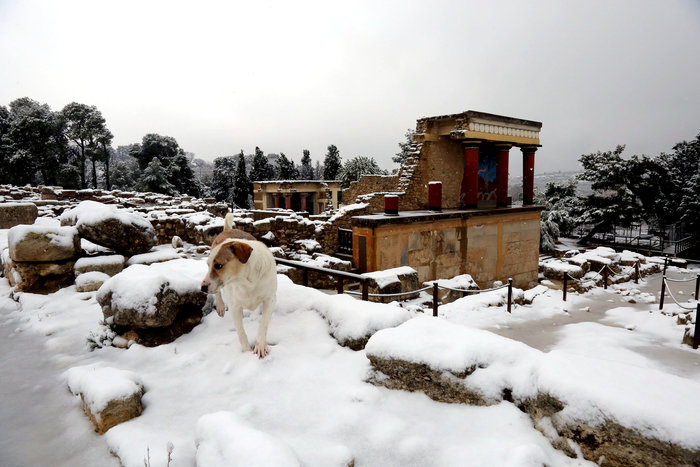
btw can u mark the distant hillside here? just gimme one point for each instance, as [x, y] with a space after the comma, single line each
[515, 184]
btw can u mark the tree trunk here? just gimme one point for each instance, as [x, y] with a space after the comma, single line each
[83, 177]
[94, 173]
[107, 184]
[590, 234]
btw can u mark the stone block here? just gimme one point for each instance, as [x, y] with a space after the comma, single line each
[392, 281]
[109, 396]
[40, 278]
[37, 243]
[90, 281]
[12, 214]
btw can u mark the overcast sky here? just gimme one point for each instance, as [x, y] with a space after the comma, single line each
[289, 75]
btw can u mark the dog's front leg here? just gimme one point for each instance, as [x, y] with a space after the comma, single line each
[237, 314]
[261, 347]
[220, 305]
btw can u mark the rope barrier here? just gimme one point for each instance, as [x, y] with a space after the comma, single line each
[680, 280]
[473, 291]
[399, 294]
[674, 298]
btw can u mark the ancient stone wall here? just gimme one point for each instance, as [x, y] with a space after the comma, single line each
[370, 184]
[443, 161]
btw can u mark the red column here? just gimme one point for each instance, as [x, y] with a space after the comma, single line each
[528, 174]
[303, 201]
[470, 181]
[502, 175]
[287, 201]
[276, 196]
[435, 196]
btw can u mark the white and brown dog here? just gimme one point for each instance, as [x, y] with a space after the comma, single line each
[242, 274]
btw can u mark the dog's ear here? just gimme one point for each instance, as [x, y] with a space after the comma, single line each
[241, 251]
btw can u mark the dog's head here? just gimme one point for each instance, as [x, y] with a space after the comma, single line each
[225, 262]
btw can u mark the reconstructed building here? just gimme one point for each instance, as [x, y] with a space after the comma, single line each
[467, 223]
[312, 196]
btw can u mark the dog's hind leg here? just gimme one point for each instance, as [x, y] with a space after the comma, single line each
[261, 347]
[237, 314]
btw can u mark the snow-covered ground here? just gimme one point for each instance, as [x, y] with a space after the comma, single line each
[309, 402]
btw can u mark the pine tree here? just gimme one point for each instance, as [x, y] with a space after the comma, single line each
[356, 167]
[261, 169]
[183, 177]
[406, 148]
[613, 202]
[287, 170]
[306, 171]
[561, 213]
[223, 178]
[242, 187]
[331, 164]
[155, 179]
[125, 174]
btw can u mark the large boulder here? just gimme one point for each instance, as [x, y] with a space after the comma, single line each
[123, 231]
[39, 243]
[154, 304]
[109, 396]
[12, 214]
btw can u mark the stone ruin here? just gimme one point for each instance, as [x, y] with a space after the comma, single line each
[101, 233]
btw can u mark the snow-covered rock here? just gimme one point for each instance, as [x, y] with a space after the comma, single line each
[40, 278]
[124, 231]
[351, 321]
[461, 282]
[158, 302]
[42, 243]
[392, 281]
[555, 269]
[90, 281]
[159, 254]
[108, 264]
[601, 404]
[109, 396]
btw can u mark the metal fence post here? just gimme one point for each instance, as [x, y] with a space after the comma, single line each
[305, 277]
[339, 285]
[696, 336]
[566, 284]
[663, 292]
[435, 298]
[510, 292]
[636, 272]
[665, 264]
[697, 288]
[365, 290]
[605, 277]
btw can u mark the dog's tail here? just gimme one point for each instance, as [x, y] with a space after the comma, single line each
[228, 222]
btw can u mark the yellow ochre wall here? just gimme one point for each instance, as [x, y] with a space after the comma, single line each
[489, 247]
